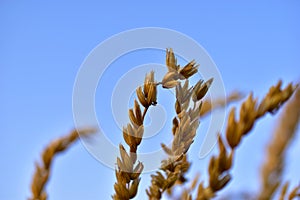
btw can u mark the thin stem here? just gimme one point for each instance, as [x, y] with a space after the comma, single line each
[144, 113]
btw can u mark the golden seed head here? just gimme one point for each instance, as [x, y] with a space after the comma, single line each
[171, 61]
[188, 70]
[201, 89]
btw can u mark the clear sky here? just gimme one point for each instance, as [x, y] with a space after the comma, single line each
[43, 44]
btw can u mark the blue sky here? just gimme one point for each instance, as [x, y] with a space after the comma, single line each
[42, 45]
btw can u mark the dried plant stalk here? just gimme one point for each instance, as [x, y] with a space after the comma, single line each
[185, 125]
[284, 133]
[184, 129]
[250, 111]
[129, 170]
[189, 107]
[42, 170]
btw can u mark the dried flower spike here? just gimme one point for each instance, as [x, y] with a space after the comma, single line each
[175, 72]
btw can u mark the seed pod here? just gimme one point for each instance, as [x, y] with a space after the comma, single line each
[171, 61]
[133, 189]
[189, 70]
[138, 113]
[141, 97]
[170, 84]
[201, 89]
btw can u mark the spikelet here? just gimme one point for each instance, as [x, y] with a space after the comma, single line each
[42, 170]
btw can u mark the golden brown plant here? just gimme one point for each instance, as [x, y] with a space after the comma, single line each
[284, 133]
[43, 169]
[250, 111]
[185, 125]
[189, 107]
[128, 171]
